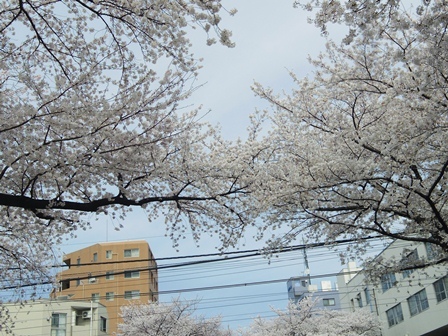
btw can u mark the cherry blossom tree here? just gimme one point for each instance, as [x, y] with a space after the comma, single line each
[92, 121]
[303, 319]
[174, 319]
[359, 147]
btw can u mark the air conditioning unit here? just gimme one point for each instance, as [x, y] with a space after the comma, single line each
[92, 280]
[86, 314]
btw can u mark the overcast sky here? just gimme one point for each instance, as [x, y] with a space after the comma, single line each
[271, 38]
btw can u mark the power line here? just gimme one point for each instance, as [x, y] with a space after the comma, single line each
[249, 253]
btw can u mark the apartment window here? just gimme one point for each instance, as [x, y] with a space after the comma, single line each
[132, 253]
[58, 324]
[441, 288]
[103, 324]
[367, 294]
[78, 282]
[78, 261]
[95, 297]
[328, 302]
[108, 254]
[394, 315]
[388, 281]
[132, 295]
[409, 260]
[359, 299]
[65, 284]
[95, 257]
[432, 251]
[109, 275]
[418, 302]
[110, 296]
[131, 274]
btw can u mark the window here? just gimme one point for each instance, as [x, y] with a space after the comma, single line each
[58, 324]
[78, 282]
[109, 275]
[328, 302]
[108, 254]
[441, 288]
[65, 284]
[78, 261]
[409, 260]
[103, 324]
[367, 294]
[131, 274]
[110, 296]
[418, 302]
[132, 295]
[359, 299]
[132, 253]
[95, 297]
[432, 251]
[95, 257]
[394, 315]
[387, 281]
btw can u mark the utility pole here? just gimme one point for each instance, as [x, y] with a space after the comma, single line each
[307, 267]
[91, 317]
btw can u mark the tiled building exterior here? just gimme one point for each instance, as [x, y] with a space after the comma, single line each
[112, 273]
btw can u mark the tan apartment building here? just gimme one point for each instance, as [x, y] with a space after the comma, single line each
[113, 274]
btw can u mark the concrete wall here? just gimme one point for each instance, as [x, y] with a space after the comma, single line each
[431, 321]
[34, 318]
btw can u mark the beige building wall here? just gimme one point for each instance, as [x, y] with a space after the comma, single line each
[57, 317]
[112, 273]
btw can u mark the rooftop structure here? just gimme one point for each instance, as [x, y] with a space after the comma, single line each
[326, 295]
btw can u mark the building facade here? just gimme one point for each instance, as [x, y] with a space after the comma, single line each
[58, 318]
[411, 302]
[326, 295]
[113, 274]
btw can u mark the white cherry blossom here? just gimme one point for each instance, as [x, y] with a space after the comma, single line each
[177, 318]
[359, 147]
[304, 319]
[90, 123]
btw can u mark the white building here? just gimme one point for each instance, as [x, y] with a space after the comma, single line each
[58, 318]
[326, 295]
[408, 303]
